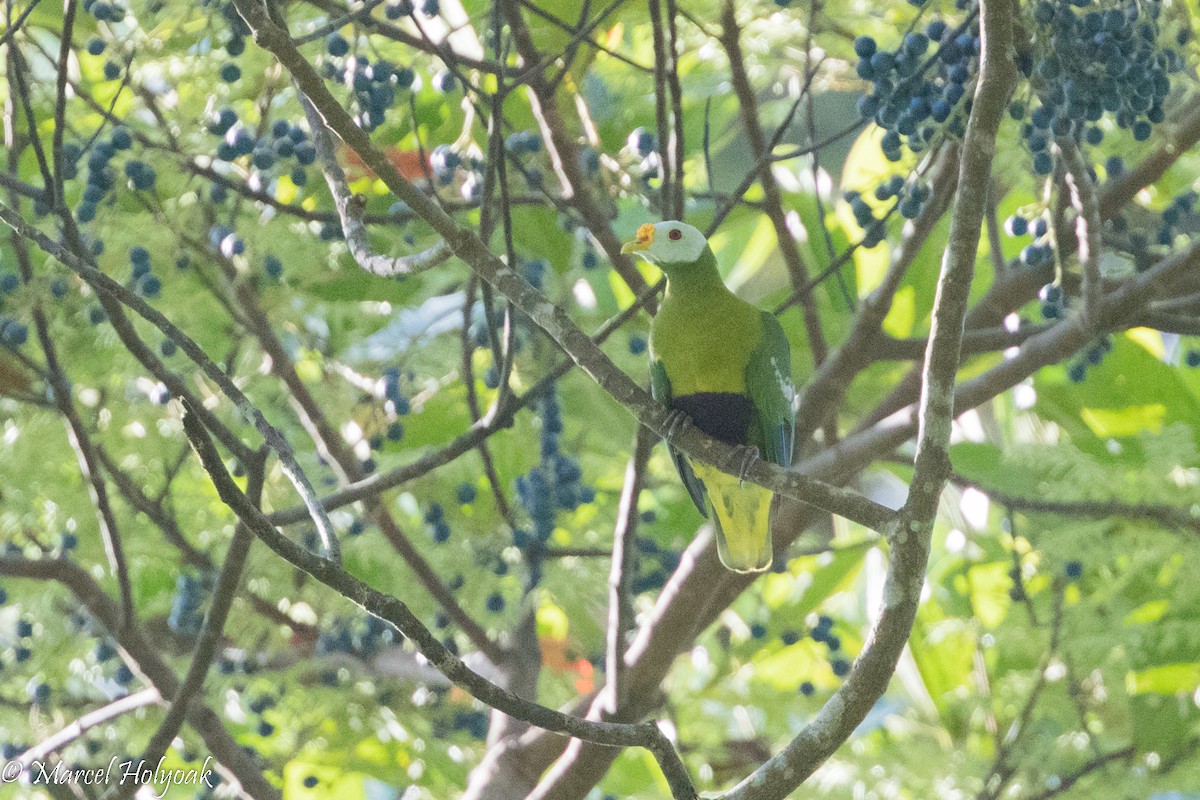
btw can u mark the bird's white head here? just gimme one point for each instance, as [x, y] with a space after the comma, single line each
[673, 243]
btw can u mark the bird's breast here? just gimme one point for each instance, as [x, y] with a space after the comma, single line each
[704, 352]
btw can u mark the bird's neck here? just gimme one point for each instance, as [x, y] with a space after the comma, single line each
[697, 279]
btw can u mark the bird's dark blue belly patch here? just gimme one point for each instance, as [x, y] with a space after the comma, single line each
[725, 416]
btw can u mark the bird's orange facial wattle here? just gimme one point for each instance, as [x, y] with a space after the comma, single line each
[645, 238]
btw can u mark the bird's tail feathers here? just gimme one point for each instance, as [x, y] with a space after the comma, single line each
[741, 515]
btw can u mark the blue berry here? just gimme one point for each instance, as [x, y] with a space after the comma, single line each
[637, 345]
[495, 602]
[1073, 570]
[230, 73]
[807, 689]
[95, 46]
[467, 493]
[1192, 358]
[336, 45]
[445, 82]
[1017, 225]
[310, 781]
[865, 47]
[841, 667]
[13, 333]
[150, 286]
[121, 138]
[39, 694]
[273, 266]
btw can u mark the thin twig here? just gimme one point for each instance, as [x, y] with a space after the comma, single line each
[773, 205]
[624, 564]
[1087, 227]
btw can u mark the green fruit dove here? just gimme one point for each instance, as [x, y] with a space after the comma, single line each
[723, 365]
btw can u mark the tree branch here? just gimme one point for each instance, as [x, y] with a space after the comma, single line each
[773, 200]
[872, 671]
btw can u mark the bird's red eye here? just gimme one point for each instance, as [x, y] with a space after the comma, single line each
[675, 234]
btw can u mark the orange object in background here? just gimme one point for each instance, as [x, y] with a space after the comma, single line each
[560, 658]
[407, 161]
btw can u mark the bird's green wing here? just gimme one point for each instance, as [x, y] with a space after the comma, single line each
[769, 385]
[660, 388]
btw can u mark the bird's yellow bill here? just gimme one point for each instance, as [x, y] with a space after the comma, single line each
[645, 238]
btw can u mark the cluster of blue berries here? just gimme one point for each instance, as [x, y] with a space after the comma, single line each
[140, 276]
[1091, 356]
[444, 161]
[553, 485]
[13, 333]
[435, 518]
[282, 141]
[363, 637]
[101, 178]
[192, 590]
[1177, 217]
[913, 91]
[104, 11]
[642, 146]
[823, 633]
[399, 403]
[22, 650]
[399, 9]
[473, 722]
[225, 240]
[910, 198]
[235, 44]
[1095, 58]
[524, 145]
[374, 84]
[1039, 253]
[96, 47]
[655, 564]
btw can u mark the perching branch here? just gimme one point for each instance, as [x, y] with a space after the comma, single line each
[1164, 515]
[550, 318]
[93, 719]
[620, 604]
